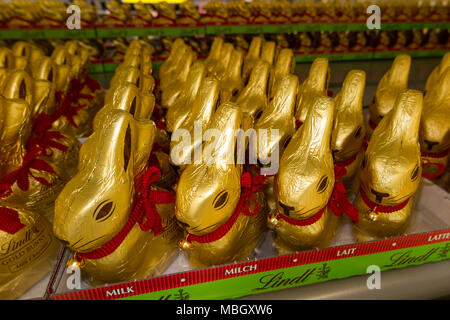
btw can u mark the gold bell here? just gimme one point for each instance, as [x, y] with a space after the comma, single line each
[185, 245]
[272, 220]
[373, 215]
[75, 262]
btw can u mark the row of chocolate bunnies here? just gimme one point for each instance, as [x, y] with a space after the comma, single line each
[126, 208]
[46, 103]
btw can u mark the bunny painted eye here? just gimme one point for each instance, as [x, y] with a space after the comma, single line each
[104, 210]
[415, 173]
[322, 185]
[221, 200]
[358, 132]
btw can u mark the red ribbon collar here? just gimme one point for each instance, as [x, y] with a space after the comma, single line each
[441, 166]
[144, 213]
[338, 203]
[340, 165]
[374, 207]
[249, 185]
[9, 221]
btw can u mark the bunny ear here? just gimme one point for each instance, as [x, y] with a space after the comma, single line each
[214, 53]
[268, 52]
[59, 55]
[43, 97]
[399, 72]
[318, 75]
[349, 99]
[401, 125]
[6, 58]
[318, 124]
[115, 147]
[143, 142]
[18, 85]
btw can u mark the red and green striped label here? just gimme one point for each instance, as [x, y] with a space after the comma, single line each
[236, 280]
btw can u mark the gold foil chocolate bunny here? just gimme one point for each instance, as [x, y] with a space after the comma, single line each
[252, 56]
[172, 87]
[391, 171]
[285, 64]
[166, 14]
[26, 179]
[304, 184]
[437, 72]
[349, 129]
[28, 250]
[182, 106]
[278, 115]
[230, 79]
[391, 84]
[118, 15]
[214, 55]
[253, 97]
[119, 225]
[213, 203]
[201, 110]
[143, 15]
[62, 150]
[189, 13]
[435, 127]
[316, 84]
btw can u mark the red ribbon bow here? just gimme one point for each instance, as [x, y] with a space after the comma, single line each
[21, 175]
[45, 138]
[66, 109]
[249, 185]
[338, 201]
[144, 209]
[92, 84]
[9, 220]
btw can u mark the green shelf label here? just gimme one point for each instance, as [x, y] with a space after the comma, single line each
[301, 275]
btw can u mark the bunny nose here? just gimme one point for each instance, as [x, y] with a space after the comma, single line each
[430, 144]
[379, 195]
[286, 208]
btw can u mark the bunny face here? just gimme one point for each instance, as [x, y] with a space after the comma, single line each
[305, 180]
[348, 129]
[207, 193]
[392, 83]
[391, 170]
[95, 205]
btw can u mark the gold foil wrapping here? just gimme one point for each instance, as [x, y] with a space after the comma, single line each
[391, 170]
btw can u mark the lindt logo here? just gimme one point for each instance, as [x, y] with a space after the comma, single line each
[402, 258]
[15, 244]
[280, 280]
